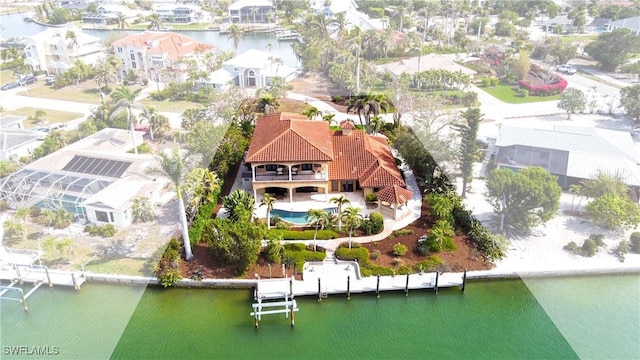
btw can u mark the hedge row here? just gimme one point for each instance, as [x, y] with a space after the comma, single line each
[204, 213]
[362, 256]
[297, 254]
[302, 235]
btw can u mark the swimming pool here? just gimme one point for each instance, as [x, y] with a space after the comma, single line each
[67, 201]
[297, 217]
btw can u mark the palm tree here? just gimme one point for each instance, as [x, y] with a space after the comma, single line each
[376, 124]
[268, 200]
[239, 205]
[235, 34]
[254, 11]
[72, 37]
[328, 118]
[340, 201]
[155, 22]
[352, 219]
[125, 99]
[158, 123]
[172, 167]
[142, 209]
[266, 103]
[122, 21]
[106, 71]
[356, 46]
[312, 113]
[200, 186]
[318, 219]
[341, 23]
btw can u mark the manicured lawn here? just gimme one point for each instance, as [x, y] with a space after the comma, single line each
[6, 76]
[507, 94]
[85, 92]
[53, 116]
[290, 105]
[170, 106]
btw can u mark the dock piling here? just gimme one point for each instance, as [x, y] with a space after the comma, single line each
[464, 279]
[378, 287]
[348, 287]
[406, 287]
[319, 291]
[436, 285]
[23, 299]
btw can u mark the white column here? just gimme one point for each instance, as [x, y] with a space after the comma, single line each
[253, 172]
[326, 194]
[289, 167]
[255, 194]
[290, 195]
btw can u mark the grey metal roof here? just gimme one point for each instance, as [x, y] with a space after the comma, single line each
[13, 138]
[632, 23]
[9, 120]
[571, 139]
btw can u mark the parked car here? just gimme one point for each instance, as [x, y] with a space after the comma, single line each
[50, 80]
[57, 126]
[9, 86]
[566, 69]
[28, 80]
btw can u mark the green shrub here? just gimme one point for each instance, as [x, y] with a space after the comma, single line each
[430, 264]
[589, 248]
[398, 263]
[494, 81]
[399, 249]
[403, 232]
[371, 197]
[524, 93]
[296, 255]
[361, 255]
[167, 270]
[303, 235]
[573, 248]
[598, 239]
[274, 251]
[635, 243]
[621, 250]
[108, 230]
[35, 211]
[440, 237]
[373, 225]
[375, 255]
[485, 82]
[336, 98]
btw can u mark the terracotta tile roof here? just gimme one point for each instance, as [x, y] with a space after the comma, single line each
[347, 124]
[289, 137]
[394, 195]
[173, 45]
[363, 157]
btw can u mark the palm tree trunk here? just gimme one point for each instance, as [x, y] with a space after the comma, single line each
[350, 232]
[133, 133]
[315, 235]
[188, 255]
[268, 218]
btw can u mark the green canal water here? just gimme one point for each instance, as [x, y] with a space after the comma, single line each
[562, 318]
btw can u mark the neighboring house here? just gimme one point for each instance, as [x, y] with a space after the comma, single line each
[17, 142]
[108, 14]
[599, 24]
[158, 55]
[252, 68]
[252, 11]
[179, 13]
[632, 23]
[352, 16]
[12, 122]
[51, 51]
[290, 155]
[571, 153]
[425, 62]
[561, 21]
[95, 178]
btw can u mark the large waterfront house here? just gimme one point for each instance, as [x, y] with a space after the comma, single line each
[179, 13]
[253, 69]
[571, 153]
[109, 14]
[349, 9]
[252, 11]
[55, 52]
[290, 155]
[95, 178]
[158, 55]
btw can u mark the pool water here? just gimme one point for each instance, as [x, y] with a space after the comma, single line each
[67, 201]
[297, 217]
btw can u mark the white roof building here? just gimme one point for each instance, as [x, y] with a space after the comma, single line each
[55, 52]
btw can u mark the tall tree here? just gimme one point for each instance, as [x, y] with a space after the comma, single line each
[122, 21]
[319, 219]
[268, 201]
[572, 101]
[236, 34]
[352, 218]
[614, 48]
[468, 145]
[630, 101]
[522, 65]
[340, 201]
[173, 168]
[72, 40]
[155, 22]
[125, 99]
[522, 200]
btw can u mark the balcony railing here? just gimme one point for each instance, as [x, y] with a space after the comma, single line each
[296, 177]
